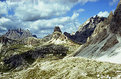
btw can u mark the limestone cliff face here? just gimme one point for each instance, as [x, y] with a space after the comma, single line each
[105, 42]
[85, 30]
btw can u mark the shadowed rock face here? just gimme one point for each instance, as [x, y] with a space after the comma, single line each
[7, 41]
[116, 20]
[85, 30]
[18, 34]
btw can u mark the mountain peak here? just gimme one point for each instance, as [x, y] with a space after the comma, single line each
[116, 21]
[57, 29]
[103, 44]
[117, 12]
[110, 17]
[85, 30]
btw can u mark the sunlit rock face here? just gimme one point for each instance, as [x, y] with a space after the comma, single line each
[85, 30]
[58, 37]
[104, 43]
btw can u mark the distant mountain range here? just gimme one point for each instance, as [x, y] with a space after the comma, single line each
[18, 34]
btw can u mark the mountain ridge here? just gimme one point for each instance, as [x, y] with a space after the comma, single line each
[85, 30]
[18, 34]
[104, 43]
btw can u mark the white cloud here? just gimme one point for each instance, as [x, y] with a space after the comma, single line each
[47, 25]
[3, 8]
[41, 27]
[43, 9]
[80, 10]
[40, 18]
[103, 14]
[3, 20]
[113, 2]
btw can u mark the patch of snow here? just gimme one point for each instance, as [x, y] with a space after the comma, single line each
[92, 51]
[58, 41]
[116, 54]
[113, 59]
[112, 55]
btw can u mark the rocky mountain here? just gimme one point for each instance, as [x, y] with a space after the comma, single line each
[51, 56]
[30, 56]
[85, 30]
[105, 42]
[20, 54]
[57, 37]
[7, 41]
[18, 34]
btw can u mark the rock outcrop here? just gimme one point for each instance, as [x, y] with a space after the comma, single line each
[31, 41]
[57, 29]
[105, 42]
[7, 41]
[57, 37]
[18, 34]
[30, 56]
[85, 30]
[115, 26]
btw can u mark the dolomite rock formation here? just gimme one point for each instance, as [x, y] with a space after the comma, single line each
[18, 34]
[58, 37]
[85, 30]
[105, 42]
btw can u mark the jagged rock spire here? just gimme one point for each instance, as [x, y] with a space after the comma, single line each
[110, 17]
[57, 29]
[116, 21]
[118, 10]
[18, 34]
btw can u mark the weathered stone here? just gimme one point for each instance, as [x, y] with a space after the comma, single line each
[85, 30]
[17, 34]
[110, 43]
[30, 56]
[116, 21]
[57, 29]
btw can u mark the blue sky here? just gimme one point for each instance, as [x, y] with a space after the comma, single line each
[93, 8]
[41, 16]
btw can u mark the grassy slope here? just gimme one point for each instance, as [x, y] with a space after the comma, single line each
[67, 68]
